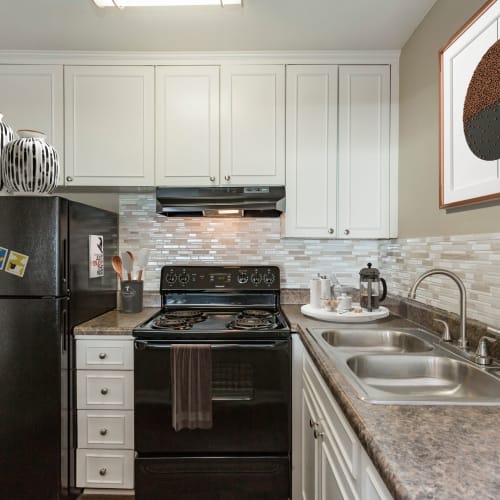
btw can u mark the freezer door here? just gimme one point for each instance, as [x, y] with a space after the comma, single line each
[34, 403]
[33, 246]
[91, 296]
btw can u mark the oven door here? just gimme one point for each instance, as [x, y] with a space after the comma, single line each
[250, 401]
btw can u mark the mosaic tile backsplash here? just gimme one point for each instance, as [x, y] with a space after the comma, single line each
[475, 258]
[245, 241]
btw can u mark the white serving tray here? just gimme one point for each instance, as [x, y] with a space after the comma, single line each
[347, 317]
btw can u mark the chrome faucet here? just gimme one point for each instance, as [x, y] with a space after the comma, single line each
[463, 343]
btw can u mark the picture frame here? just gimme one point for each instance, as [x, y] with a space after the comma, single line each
[467, 173]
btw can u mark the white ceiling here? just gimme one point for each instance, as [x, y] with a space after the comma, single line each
[258, 25]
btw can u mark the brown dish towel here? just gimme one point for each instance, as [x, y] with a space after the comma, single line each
[191, 375]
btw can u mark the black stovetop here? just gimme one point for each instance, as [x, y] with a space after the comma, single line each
[218, 324]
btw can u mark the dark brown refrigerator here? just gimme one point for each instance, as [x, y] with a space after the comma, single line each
[55, 272]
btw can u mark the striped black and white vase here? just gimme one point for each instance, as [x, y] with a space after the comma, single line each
[29, 164]
[6, 135]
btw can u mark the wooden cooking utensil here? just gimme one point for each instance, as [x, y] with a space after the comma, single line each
[117, 264]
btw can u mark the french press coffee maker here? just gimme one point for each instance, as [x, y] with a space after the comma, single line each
[372, 288]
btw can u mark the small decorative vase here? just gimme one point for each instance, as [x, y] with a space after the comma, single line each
[6, 135]
[29, 164]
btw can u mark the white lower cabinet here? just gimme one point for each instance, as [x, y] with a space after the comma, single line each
[105, 412]
[332, 463]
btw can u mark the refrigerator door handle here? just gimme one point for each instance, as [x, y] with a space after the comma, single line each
[65, 263]
[64, 325]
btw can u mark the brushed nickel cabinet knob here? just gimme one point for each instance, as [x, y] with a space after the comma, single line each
[227, 177]
[212, 178]
[104, 391]
[102, 472]
[103, 432]
[346, 231]
[102, 355]
[318, 434]
[330, 230]
[69, 179]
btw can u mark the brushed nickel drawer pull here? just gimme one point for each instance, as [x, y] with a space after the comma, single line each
[102, 355]
[103, 432]
[102, 472]
[104, 391]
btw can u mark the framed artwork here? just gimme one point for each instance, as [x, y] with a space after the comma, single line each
[470, 111]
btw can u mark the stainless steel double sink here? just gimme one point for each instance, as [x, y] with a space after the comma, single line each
[407, 366]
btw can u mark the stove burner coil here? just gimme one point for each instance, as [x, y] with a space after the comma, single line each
[186, 315]
[171, 323]
[257, 313]
[252, 323]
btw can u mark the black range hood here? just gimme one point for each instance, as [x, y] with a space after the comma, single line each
[221, 201]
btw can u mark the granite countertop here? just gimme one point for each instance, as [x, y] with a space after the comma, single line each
[431, 452]
[114, 323]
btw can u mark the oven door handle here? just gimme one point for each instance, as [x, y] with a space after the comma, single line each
[142, 345]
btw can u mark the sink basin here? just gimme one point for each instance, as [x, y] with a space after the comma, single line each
[376, 340]
[407, 366]
[424, 379]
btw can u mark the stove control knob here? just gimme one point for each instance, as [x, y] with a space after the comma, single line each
[269, 278]
[256, 279]
[184, 279]
[242, 277]
[171, 278]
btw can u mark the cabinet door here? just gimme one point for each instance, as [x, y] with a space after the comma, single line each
[253, 124]
[187, 125]
[333, 481]
[372, 487]
[109, 125]
[311, 151]
[364, 108]
[33, 99]
[310, 449]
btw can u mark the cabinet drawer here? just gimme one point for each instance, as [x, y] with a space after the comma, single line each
[104, 468]
[336, 423]
[104, 354]
[105, 390]
[105, 429]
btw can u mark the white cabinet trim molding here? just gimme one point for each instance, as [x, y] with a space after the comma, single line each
[192, 58]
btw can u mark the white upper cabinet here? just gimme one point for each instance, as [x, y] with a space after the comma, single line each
[187, 125]
[253, 124]
[364, 127]
[250, 127]
[32, 98]
[338, 151]
[311, 151]
[109, 125]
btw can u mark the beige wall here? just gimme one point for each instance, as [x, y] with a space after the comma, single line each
[419, 214]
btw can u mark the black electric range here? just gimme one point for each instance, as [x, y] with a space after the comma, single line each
[245, 454]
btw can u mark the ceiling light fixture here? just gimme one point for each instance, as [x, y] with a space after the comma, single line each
[121, 4]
